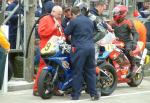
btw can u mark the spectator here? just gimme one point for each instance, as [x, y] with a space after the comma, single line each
[47, 6]
[140, 28]
[147, 25]
[101, 27]
[13, 23]
[67, 16]
[144, 10]
[4, 44]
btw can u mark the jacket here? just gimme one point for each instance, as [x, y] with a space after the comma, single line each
[3, 41]
[46, 29]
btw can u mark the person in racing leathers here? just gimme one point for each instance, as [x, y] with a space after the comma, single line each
[124, 30]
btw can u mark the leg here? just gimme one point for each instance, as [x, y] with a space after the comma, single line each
[134, 67]
[35, 86]
[78, 61]
[90, 74]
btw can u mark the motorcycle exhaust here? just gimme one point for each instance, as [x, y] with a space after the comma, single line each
[143, 56]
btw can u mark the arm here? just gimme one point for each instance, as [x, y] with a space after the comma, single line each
[69, 29]
[14, 17]
[46, 27]
[4, 42]
[133, 32]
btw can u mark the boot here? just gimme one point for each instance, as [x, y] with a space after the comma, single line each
[133, 69]
[35, 93]
[57, 92]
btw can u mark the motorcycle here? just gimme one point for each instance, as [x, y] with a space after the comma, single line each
[120, 61]
[58, 72]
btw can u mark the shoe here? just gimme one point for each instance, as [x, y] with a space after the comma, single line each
[58, 93]
[35, 93]
[75, 98]
[133, 71]
[94, 98]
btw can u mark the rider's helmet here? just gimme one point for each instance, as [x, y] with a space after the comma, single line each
[119, 12]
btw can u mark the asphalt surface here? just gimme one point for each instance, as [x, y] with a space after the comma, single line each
[123, 94]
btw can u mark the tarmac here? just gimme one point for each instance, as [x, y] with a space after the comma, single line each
[122, 94]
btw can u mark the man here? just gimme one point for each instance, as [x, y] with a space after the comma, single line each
[13, 23]
[4, 42]
[82, 54]
[98, 13]
[47, 6]
[67, 16]
[4, 47]
[101, 28]
[140, 28]
[47, 28]
[124, 29]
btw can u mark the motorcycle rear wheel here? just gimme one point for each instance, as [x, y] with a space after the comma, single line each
[108, 83]
[45, 86]
[137, 79]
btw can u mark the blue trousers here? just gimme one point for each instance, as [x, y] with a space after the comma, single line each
[83, 63]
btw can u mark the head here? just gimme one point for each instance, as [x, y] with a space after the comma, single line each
[75, 11]
[10, 1]
[67, 12]
[83, 8]
[146, 5]
[120, 12]
[100, 6]
[57, 12]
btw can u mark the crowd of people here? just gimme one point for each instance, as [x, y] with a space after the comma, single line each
[83, 31]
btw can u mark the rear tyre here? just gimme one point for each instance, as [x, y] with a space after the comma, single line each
[137, 79]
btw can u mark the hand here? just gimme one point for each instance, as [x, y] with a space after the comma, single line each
[110, 29]
[131, 53]
[7, 50]
[133, 45]
[57, 25]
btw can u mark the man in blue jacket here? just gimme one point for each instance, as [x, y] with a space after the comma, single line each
[47, 6]
[13, 22]
[82, 53]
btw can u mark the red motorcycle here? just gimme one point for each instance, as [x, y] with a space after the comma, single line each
[121, 62]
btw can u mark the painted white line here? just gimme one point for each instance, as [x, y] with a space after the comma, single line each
[103, 97]
[142, 92]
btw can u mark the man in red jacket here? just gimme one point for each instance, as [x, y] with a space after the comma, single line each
[47, 28]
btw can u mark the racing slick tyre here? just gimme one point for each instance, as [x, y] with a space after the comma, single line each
[137, 79]
[107, 80]
[45, 86]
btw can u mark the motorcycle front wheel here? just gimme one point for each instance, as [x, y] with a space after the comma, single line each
[107, 80]
[45, 86]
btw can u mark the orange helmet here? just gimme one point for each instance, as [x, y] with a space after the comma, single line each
[119, 12]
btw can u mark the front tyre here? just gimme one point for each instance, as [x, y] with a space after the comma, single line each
[108, 80]
[45, 86]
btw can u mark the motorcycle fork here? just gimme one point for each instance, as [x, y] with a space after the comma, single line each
[56, 75]
[105, 74]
